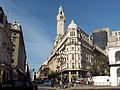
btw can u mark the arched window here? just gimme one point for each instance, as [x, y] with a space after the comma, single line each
[118, 72]
[73, 66]
[117, 56]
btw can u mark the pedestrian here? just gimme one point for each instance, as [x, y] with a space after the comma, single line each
[61, 85]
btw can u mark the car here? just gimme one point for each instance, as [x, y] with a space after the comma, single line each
[48, 83]
[80, 81]
[18, 84]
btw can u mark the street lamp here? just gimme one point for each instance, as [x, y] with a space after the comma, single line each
[32, 73]
[61, 58]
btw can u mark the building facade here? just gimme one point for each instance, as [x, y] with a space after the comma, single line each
[5, 47]
[100, 37]
[43, 71]
[73, 50]
[18, 49]
[12, 49]
[113, 49]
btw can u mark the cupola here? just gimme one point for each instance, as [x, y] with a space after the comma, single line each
[72, 25]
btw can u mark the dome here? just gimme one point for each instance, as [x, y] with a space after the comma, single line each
[72, 25]
[16, 23]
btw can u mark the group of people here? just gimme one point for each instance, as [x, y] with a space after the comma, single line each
[63, 84]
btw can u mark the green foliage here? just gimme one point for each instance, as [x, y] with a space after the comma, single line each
[100, 66]
[53, 75]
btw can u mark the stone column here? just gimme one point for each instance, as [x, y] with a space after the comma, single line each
[69, 76]
[77, 74]
[80, 74]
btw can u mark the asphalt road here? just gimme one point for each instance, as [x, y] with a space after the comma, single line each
[80, 88]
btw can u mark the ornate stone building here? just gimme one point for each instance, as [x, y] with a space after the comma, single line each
[18, 49]
[114, 57]
[73, 50]
[12, 48]
[5, 47]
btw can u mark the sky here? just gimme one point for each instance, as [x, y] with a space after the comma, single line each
[38, 21]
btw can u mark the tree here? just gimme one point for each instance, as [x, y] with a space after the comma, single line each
[53, 75]
[100, 66]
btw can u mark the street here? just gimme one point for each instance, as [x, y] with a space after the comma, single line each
[84, 87]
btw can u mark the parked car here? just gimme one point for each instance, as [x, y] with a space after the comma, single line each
[48, 83]
[18, 84]
[80, 81]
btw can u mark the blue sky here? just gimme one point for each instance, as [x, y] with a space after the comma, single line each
[38, 20]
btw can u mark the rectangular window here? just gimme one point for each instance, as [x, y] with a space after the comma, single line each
[14, 39]
[72, 48]
[67, 57]
[78, 56]
[67, 65]
[116, 33]
[67, 49]
[72, 33]
[72, 65]
[78, 65]
[73, 40]
[72, 56]
[116, 39]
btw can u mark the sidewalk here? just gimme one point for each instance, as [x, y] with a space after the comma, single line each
[84, 87]
[87, 87]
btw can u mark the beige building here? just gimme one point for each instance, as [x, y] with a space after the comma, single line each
[12, 48]
[43, 71]
[5, 47]
[73, 50]
[18, 47]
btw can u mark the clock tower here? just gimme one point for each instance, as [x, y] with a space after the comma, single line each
[60, 22]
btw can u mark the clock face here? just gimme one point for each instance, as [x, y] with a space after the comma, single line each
[61, 17]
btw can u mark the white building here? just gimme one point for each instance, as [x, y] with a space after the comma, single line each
[114, 57]
[73, 50]
[113, 50]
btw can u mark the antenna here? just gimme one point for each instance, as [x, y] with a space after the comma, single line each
[60, 2]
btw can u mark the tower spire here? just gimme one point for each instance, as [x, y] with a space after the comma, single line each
[60, 8]
[60, 21]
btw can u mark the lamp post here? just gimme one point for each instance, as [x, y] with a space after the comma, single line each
[31, 73]
[61, 58]
[34, 76]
